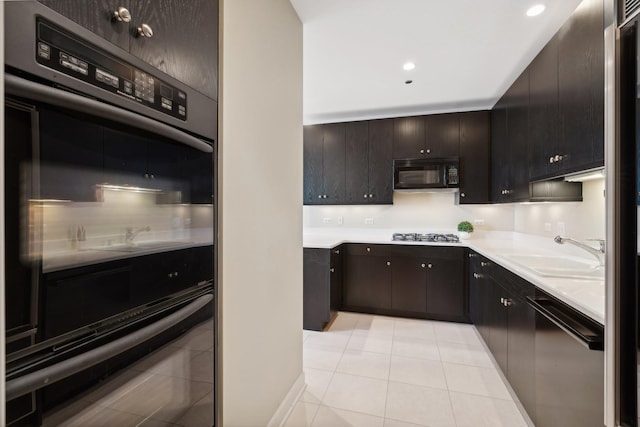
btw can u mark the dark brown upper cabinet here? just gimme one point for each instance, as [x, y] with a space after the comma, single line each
[408, 137]
[581, 89]
[442, 135]
[324, 164]
[475, 163]
[543, 111]
[183, 37]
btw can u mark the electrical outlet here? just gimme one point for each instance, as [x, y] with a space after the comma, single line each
[561, 228]
[479, 221]
[326, 220]
[547, 226]
[340, 220]
[368, 221]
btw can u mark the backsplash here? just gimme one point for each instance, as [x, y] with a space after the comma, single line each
[439, 212]
[104, 223]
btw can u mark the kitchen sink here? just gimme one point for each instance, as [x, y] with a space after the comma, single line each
[567, 267]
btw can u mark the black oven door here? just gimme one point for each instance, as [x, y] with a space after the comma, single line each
[109, 234]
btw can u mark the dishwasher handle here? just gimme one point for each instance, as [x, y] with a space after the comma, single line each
[581, 332]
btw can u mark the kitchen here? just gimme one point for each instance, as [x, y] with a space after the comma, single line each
[270, 290]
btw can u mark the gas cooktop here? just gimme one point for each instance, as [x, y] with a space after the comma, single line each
[426, 237]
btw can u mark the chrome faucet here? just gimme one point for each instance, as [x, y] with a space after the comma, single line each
[130, 234]
[598, 253]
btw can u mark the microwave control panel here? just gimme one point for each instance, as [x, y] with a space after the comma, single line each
[78, 59]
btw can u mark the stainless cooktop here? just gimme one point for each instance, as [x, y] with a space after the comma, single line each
[426, 237]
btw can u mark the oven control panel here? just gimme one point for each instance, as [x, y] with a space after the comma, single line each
[76, 58]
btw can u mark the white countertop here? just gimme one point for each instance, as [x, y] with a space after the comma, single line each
[586, 296]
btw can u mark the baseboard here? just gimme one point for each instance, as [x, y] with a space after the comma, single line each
[281, 414]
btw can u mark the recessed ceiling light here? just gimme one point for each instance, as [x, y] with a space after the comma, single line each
[408, 66]
[535, 10]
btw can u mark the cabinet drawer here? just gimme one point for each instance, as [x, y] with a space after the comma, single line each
[365, 249]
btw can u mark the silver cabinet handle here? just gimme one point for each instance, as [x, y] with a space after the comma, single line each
[324, 196]
[371, 196]
[122, 15]
[476, 276]
[365, 196]
[152, 176]
[473, 255]
[388, 262]
[551, 159]
[462, 195]
[337, 252]
[428, 151]
[421, 151]
[145, 31]
[170, 275]
[430, 265]
[333, 270]
[507, 302]
[319, 196]
[423, 265]
[483, 264]
[175, 274]
[502, 301]
[368, 249]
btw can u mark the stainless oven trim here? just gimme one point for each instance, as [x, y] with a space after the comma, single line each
[51, 374]
[18, 86]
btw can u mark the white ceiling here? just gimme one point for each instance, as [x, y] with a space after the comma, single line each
[467, 53]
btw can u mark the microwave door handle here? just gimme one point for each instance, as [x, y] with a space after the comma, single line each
[20, 87]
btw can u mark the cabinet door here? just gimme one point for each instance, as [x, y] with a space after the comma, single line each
[184, 43]
[475, 164]
[409, 284]
[335, 285]
[499, 165]
[96, 16]
[70, 157]
[517, 127]
[521, 364]
[446, 290]
[316, 298]
[381, 161]
[543, 111]
[442, 135]
[357, 162]
[497, 322]
[313, 158]
[408, 137]
[581, 87]
[367, 281]
[333, 165]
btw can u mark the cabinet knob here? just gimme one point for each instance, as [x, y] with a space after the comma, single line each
[430, 265]
[551, 159]
[421, 151]
[175, 274]
[371, 196]
[423, 265]
[366, 195]
[473, 255]
[483, 264]
[388, 262]
[145, 31]
[122, 15]
[507, 302]
[319, 196]
[462, 195]
[146, 175]
[428, 151]
[324, 196]
[152, 176]
[368, 249]
[337, 252]
[476, 276]
[170, 275]
[333, 270]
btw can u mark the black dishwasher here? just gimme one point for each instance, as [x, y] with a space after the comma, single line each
[569, 365]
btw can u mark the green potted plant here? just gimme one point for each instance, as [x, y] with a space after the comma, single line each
[465, 228]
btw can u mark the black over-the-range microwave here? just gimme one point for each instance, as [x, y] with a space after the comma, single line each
[426, 174]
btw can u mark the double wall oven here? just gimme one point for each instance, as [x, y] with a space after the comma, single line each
[109, 208]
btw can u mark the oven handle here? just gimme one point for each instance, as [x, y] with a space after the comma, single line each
[49, 375]
[24, 88]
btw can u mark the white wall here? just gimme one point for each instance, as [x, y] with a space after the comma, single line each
[260, 199]
[438, 212]
[582, 220]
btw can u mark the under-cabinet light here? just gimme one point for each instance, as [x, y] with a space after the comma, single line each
[128, 188]
[585, 176]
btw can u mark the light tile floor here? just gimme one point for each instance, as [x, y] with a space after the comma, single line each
[389, 372]
[173, 386]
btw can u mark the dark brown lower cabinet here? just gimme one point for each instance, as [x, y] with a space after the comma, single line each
[413, 281]
[322, 288]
